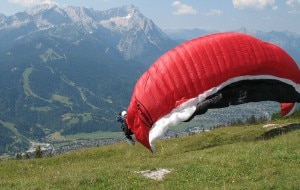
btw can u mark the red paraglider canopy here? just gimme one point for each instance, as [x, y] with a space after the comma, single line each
[213, 71]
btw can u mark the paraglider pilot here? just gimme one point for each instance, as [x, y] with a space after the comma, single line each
[122, 119]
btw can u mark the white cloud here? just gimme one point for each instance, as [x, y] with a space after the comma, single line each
[32, 2]
[182, 9]
[294, 5]
[254, 4]
[214, 12]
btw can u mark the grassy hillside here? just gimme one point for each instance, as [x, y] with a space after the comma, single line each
[240, 157]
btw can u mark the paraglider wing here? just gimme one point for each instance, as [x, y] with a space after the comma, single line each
[213, 71]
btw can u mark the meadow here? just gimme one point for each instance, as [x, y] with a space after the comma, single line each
[232, 157]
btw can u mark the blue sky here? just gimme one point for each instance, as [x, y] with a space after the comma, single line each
[265, 15]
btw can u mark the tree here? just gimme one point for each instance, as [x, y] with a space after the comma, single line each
[18, 156]
[38, 152]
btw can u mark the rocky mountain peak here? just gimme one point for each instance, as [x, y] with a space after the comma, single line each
[123, 29]
[40, 9]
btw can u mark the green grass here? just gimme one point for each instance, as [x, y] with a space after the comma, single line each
[226, 158]
[11, 127]
[41, 109]
[26, 85]
[95, 135]
[62, 99]
[57, 140]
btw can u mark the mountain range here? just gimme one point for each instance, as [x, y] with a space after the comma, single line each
[289, 41]
[71, 70]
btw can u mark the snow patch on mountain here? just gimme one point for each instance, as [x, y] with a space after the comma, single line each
[116, 23]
